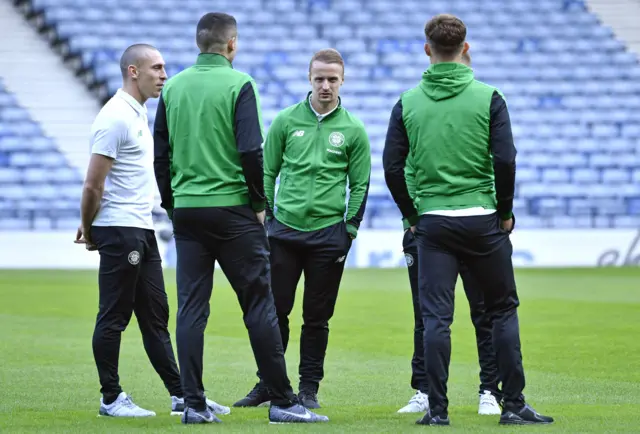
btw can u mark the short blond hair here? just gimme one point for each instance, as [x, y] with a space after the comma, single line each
[327, 55]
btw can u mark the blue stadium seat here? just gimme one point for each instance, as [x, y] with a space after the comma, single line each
[584, 175]
[24, 152]
[575, 122]
[12, 224]
[9, 175]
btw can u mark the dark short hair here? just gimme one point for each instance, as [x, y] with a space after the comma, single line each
[214, 31]
[446, 34]
[327, 55]
[132, 56]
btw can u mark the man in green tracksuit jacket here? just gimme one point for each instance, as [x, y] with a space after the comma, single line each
[457, 132]
[208, 165]
[316, 147]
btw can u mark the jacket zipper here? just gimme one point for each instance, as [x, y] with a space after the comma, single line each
[314, 165]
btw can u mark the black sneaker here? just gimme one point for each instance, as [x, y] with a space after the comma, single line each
[308, 399]
[525, 416]
[258, 396]
[428, 419]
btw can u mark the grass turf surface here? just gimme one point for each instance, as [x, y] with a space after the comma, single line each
[580, 333]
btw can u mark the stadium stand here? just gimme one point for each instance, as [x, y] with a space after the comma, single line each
[39, 189]
[572, 87]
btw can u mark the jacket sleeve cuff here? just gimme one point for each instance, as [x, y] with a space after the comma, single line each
[352, 230]
[506, 215]
[170, 213]
[405, 224]
[258, 206]
[413, 220]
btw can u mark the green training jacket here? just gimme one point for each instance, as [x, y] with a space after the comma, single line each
[315, 160]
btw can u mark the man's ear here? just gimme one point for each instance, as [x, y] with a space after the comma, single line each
[427, 49]
[232, 45]
[133, 72]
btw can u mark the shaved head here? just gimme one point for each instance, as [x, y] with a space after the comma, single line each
[135, 55]
[143, 74]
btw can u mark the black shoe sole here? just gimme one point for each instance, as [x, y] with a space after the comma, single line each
[199, 423]
[523, 422]
[242, 405]
[440, 423]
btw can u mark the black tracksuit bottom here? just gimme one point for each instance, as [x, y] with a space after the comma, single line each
[233, 237]
[479, 242]
[321, 255]
[130, 280]
[489, 379]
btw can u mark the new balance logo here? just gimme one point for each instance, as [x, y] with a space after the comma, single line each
[340, 259]
[298, 133]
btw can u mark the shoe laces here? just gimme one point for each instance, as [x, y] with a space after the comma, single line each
[256, 391]
[128, 402]
[488, 398]
[418, 398]
[309, 395]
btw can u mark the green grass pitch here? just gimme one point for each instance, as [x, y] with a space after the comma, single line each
[580, 332]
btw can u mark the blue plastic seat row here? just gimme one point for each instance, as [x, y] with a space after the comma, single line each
[42, 191]
[38, 175]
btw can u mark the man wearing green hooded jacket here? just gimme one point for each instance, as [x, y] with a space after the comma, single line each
[457, 133]
[489, 392]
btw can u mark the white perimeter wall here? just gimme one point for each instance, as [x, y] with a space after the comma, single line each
[372, 248]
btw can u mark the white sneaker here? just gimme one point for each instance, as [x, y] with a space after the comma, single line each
[418, 403]
[177, 407]
[488, 404]
[123, 406]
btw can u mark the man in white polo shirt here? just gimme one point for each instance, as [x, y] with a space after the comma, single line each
[117, 202]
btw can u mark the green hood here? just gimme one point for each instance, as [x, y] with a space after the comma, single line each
[445, 80]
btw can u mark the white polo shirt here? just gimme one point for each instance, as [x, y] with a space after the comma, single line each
[121, 131]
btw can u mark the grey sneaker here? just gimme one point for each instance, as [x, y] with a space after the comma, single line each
[190, 416]
[294, 414]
